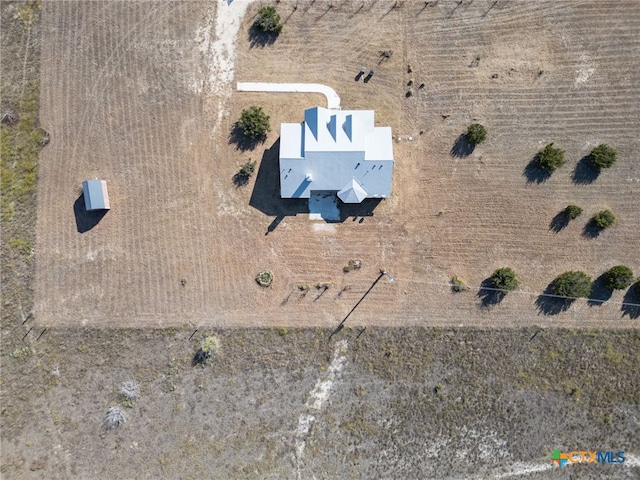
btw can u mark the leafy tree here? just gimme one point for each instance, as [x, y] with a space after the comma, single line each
[254, 123]
[603, 156]
[572, 284]
[550, 158]
[573, 211]
[604, 219]
[476, 133]
[504, 279]
[619, 277]
[268, 20]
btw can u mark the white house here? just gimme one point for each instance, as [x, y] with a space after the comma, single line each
[340, 151]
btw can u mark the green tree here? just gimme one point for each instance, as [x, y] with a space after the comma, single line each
[604, 219]
[268, 20]
[603, 156]
[619, 277]
[504, 279]
[254, 123]
[476, 133]
[550, 158]
[573, 211]
[573, 284]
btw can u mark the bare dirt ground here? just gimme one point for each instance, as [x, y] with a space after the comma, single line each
[131, 102]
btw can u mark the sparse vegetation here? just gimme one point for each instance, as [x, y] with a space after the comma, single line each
[476, 133]
[619, 277]
[550, 158]
[505, 279]
[604, 219]
[573, 211]
[603, 156]
[254, 123]
[458, 284]
[264, 278]
[115, 418]
[573, 284]
[268, 20]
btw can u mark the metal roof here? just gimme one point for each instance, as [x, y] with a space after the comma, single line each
[96, 196]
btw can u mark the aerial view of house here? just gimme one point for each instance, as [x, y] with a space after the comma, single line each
[320, 239]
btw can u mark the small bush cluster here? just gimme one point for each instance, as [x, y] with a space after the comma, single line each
[209, 346]
[603, 156]
[115, 418]
[458, 284]
[476, 133]
[573, 211]
[269, 20]
[574, 284]
[352, 265]
[604, 219]
[505, 279]
[619, 277]
[254, 123]
[550, 158]
[129, 390]
[264, 278]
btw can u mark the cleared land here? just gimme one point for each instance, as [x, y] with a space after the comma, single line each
[125, 97]
[386, 402]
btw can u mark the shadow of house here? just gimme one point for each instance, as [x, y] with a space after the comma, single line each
[85, 219]
[585, 173]
[260, 38]
[600, 292]
[548, 303]
[241, 141]
[560, 221]
[266, 190]
[631, 302]
[534, 173]
[355, 210]
[489, 294]
[462, 147]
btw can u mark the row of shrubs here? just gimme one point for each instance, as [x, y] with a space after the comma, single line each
[570, 284]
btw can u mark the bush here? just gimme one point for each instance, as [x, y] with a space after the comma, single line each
[550, 158]
[604, 219]
[352, 265]
[268, 20]
[264, 278]
[573, 211]
[458, 284]
[115, 418]
[504, 279]
[476, 133]
[603, 156]
[129, 390]
[619, 277]
[572, 284]
[254, 123]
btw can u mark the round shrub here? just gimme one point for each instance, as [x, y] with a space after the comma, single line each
[550, 158]
[253, 122]
[573, 284]
[573, 211]
[264, 278]
[619, 277]
[115, 418]
[268, 20]
[604, 219]
[505, 279]
[476, 133]
[603, 156]
[458, 284]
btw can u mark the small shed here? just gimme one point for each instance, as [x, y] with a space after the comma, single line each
[96, 196]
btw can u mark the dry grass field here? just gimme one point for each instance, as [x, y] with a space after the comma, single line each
[127, 98]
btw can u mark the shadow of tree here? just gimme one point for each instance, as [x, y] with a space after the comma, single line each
[86, 220]
[462, 147]
[260, 38]
[549, 304]
[535, 173]
[591, 229]
[631, 302]
[600, 292]
[489, 294]
[585, 173]
[559, 222]
[241, 141]
[240, 180]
